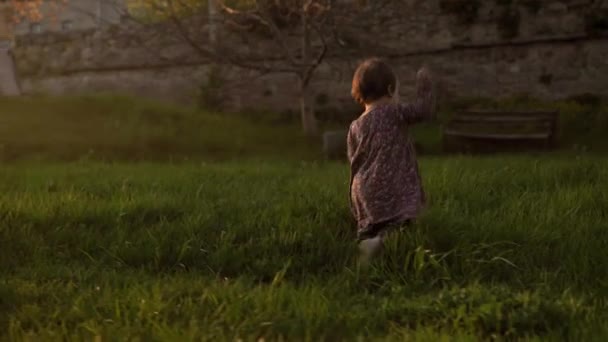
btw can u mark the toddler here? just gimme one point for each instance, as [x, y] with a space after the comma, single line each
[385, 184]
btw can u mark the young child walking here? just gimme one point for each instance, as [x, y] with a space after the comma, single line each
[385, 185]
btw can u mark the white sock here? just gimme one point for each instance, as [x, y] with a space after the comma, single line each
[370, 247]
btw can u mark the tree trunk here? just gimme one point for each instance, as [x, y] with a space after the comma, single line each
[309, 122]
[213, 17]
[307, 113]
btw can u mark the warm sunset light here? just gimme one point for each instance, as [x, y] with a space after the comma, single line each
[303, 170]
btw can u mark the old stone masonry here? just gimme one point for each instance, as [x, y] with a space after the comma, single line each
[547, 49]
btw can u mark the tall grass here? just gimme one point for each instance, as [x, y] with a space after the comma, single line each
[113, 127]
[511, 247]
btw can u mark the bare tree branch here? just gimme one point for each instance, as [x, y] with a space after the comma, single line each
[291, 36]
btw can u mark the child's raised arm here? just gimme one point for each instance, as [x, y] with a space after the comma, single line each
[423, 107]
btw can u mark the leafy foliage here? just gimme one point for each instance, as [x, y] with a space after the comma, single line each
[31, 10]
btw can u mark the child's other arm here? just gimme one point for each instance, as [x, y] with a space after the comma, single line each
[423, 107]
[350, 151]
[350, 145]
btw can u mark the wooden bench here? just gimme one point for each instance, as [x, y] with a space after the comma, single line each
[490, 131]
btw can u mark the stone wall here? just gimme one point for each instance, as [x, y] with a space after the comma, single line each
[549, 49]
[8, 81]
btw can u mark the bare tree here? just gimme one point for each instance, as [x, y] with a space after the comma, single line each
[290, 36]
[268, 36]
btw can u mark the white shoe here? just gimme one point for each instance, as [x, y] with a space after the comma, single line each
[369, 248]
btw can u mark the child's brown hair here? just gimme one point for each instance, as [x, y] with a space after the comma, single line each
[373, 80]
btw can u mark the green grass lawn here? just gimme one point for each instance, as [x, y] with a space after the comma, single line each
[136, 238]
[510, 247]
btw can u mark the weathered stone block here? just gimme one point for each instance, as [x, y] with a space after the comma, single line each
[334, 144]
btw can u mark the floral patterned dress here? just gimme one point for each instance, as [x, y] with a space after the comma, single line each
[385, 183]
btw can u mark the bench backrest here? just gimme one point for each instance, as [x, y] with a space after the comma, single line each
[505, 124]
[506, 116]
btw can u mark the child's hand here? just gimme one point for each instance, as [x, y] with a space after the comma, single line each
[424, 74]
[395, 98]
[424, 78]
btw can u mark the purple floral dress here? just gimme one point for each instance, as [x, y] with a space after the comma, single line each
[385, 184]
